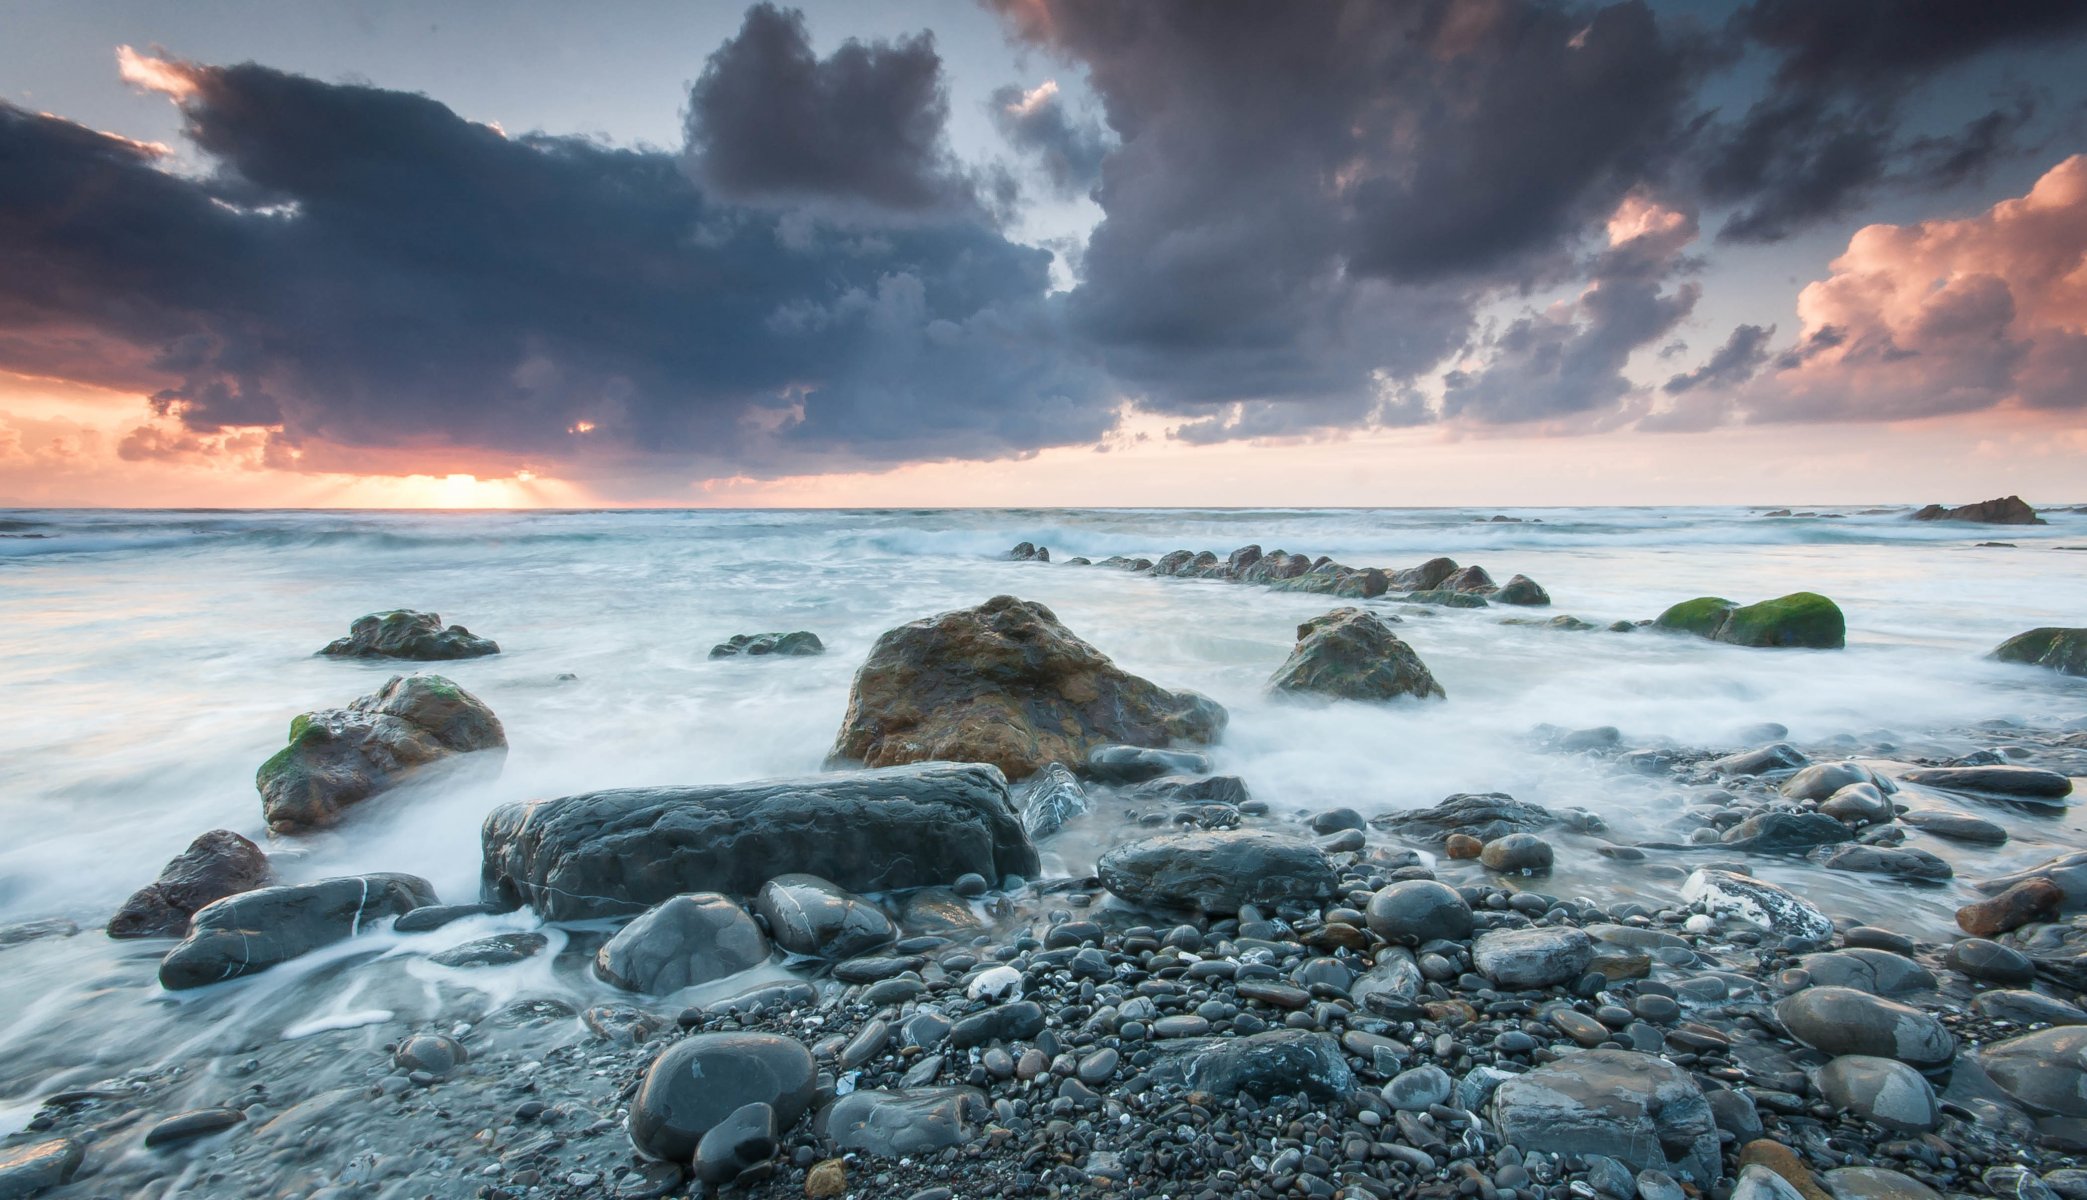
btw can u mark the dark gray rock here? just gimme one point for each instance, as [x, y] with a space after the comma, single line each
[498, 950]
[1194, 789]
[255, 930]
[404, 633]
[892, 1124]
[1539, 957]
[1901, 863]
[680, 943]
[754, 645]
[701, 1080]
[1641, 1111]
[2046, 1071]
[2027, 1008]
[435, 916]
[1136, 764]
[1524, 591]
[217, 864]
[811, 916]
[2031, 784]
[1217, 871]
[1483, 815]
[1876, 971]
[1955, 827]
[1351, 654]
[339, 757]
[741, 1141]
[1839, 1020]
[607, 853]
[1011, 1022]
[1418, 911]
[1990, 962]
[1281, 1062]
[1052, 798]
[185, 1127]
[33, 1168]
[1785, 832]
[1517, 854]
[1882, 1091]
[437, 1054]
[1781, 756]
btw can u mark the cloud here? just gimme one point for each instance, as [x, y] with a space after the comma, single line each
[1734, 362]
[1568, 359]
[362, 268]
[1945, 316]
[768, 120]
[1069, 150]
[1827, 135]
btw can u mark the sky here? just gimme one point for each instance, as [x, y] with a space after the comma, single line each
[1042, 252]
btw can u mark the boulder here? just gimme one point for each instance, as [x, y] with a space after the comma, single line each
[703, 1079]
[2007, 510]
[682, 942]
[906, 1121]
[1280, 1062]
[1417, 911]
[1483, 815]
[1538, 957]
[1426, 577]
[1136, 764]
[810, 916]
[1641, 1111]
[1839, 1020]
[1785, 832]
[1193, 789]
[2060, 650]
[252, 931]
[1351, 654]
[1217, 871]
[339, 757]
[217, 864]
[1005, 683]
[752, 645]
[1524, 591]
[1800, 619]
[1881, 1091]
[2046, 1071]
[1757, 902]
[1028, 552]
[1052, 798]
[2031, 784]
[403, 633]
[608, 853]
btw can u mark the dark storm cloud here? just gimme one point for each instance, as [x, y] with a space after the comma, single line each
[1069, 150]
[368, 269]
[1735, 362]
[769, 120]
[1309, 201]
[1828, 134]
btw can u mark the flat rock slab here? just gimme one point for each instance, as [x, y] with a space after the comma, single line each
[1217, 872]
[608, 853]
[1641, 1111]
[255, 930]
[2031, 784]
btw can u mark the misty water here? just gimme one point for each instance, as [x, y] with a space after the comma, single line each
[151, 661]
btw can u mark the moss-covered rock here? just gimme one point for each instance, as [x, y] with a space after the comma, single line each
[404, 633]
[2060, 650]
[1800, 619]
[339, 757]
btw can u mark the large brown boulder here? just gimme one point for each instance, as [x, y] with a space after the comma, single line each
[218, 864]
[1005, 683]
[2007, 510]
[339, 757]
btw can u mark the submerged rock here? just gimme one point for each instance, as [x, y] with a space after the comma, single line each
[1762, 760]
[752, 645]
[1351, 654]
[1896, 862]
[1005, 683]
[339, 757]
[811, 916]
[2030, 784]
[1137, 764]
[1483, 815]
[1956, 827]
[1641, 1111]
[404, 633]
[608, 853]
[2060, 650]
[703, 1079]
[892, 1124]
[217, 864]
[682, 942]
[1800, 619]
[1281, 1062]
[1216, 871]
[1785, 832]
[255, 930]
[2007, 510]
[1052, 798]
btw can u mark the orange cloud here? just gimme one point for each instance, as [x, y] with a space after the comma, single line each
[172, 79]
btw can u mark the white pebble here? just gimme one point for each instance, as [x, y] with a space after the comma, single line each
[1700, 923]
[998, 983]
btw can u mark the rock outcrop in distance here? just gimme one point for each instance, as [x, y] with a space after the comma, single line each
[1436, 581]
[1005, 683]
[404, 633]
[616, 852]
[1801, 619]
[339, 757]
[753, 645]
[1352, 654]
[2007, 510]
[2057, 649]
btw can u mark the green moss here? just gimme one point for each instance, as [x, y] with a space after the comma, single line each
[1800, 619]
[1703, 616]
[298, 725]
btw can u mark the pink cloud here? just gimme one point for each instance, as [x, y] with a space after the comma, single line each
[1945, 316]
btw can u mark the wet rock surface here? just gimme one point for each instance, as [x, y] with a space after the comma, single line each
[252, 931]
[1352, 654]
[799, 644]
[1216, 872]
[682, 942]
[217, 864]
[340, 757]
[404, 633]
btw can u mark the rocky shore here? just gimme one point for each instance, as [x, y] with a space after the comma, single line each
[872, 982]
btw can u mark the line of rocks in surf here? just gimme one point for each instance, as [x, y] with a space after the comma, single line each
[1241, 999]
[1437, 581]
